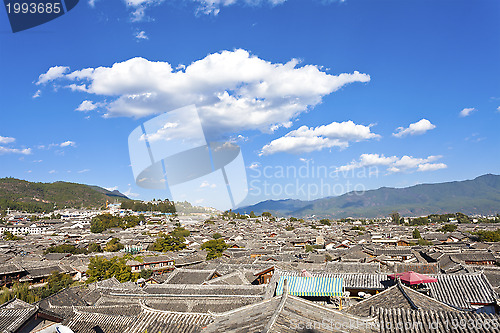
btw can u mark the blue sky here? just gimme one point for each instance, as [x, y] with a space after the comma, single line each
[379, 93]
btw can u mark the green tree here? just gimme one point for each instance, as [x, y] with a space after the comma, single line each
[422, 241]
[9, 236]
[101, 269]
[416, 234]
[180, 232]
[488, 236]
[215, 247]
[266, 214]
[146, 273]
[448, 228]
[94, 247]
[96, 225]
[252, 215]
[395, 217]
[325, 222]
[216, 236]
[113, 245]
[167, 243]
[65, 248]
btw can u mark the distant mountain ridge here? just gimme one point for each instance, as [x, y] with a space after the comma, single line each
[477, 196]
[39, 197]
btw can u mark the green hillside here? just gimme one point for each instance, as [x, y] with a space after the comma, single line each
[44, 197]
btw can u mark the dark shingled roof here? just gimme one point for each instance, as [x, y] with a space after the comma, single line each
[190, 276]
[90, 322]
[460, 290]
[398, 296]
[14, 313]
[423, 321]
[287, 314]
[96, 319]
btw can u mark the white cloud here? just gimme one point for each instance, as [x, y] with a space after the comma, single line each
[139, 7]
[254, 165]
[395, 164]
[232, 90]
[431, 167]
[37, 94]
[75, 87]
[308, 139]
[52, 74]
[467, 112]
[87, 106]
[6, 139]
[6, 150]
[141, 35]
[212, 7]
[67, 144]
[52, 171]
[111, 189]
[498, 109]
[420, 127]
[130, 194]
[92, 3]
[83, 171]
[207, 184]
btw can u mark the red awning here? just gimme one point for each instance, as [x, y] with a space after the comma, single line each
[413, 278]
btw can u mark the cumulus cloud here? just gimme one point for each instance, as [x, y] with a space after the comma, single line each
[307, 139]
[232, 90]
[254, 165]
[498, 109]
[467, 112]
[37, 94]
[87, 106]
[141, 35]
[206, 184]
[6, 150]
[420, 127]
[6, 139]
[67, 144]
[395, 164]
[431, 166]
[52, 74]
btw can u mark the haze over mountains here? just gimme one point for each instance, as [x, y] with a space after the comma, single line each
[478, 196]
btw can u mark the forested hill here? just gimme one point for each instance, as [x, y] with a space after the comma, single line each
[477, 196]
[22, 195]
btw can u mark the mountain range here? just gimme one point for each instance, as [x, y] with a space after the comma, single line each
[477, 196]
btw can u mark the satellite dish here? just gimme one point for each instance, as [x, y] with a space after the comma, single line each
[63, 329]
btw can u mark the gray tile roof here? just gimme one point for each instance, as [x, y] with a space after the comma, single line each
[423, 321]
[14, 314]
[462, 290]
[285, 314]
[398, 297]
